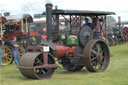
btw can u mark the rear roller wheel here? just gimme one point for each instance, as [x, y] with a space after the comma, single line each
[97, 56]
[32, 59]
[66, 63]
[7, 56]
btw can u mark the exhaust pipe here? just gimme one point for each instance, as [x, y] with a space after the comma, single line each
[119, 22]
[49, 20]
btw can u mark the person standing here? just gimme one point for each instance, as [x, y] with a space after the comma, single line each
[15, 53]
[87, 22]
[1, 50]
[96, 27]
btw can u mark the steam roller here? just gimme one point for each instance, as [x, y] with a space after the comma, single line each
[74, 49]
[38, 62]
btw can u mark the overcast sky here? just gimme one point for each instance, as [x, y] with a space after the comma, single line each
[38, 6]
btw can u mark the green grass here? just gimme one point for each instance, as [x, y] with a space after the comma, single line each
[116, 73]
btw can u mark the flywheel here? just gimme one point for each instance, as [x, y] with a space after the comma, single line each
[85, 35]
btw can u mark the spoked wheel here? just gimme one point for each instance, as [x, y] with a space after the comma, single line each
[21, 50]
[97, 56]
[7, 56]
[32, 59]
[66, 63]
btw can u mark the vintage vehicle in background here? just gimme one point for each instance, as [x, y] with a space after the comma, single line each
[125, 33]
[116, 33]
[124, 29]
[16, 26]
[111, 38]
[73, 45]
[119, 31]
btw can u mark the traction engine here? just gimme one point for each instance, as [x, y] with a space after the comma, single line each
[75, 48]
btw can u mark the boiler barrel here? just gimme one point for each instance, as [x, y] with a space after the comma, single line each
[64, 50]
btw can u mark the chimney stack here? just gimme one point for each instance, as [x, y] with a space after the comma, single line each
[49, 19]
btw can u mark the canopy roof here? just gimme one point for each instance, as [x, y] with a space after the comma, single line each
[18, 18]
[3, 19]
[122, 23]
[81, 12]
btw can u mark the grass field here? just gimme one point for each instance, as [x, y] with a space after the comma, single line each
[116, 73]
